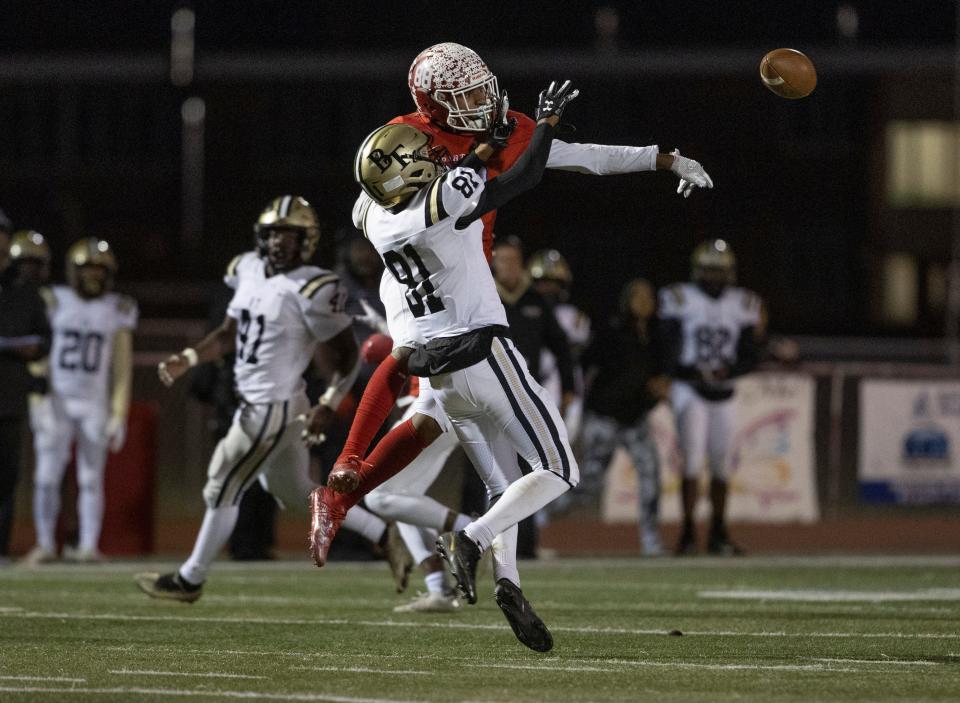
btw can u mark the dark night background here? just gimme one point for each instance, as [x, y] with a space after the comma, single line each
[90, 135]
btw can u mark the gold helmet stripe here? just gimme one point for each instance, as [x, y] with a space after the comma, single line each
[284, 208]
[232, 266]
[310, 288]
[434, 203]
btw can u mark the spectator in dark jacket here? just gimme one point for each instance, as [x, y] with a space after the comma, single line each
[24, 337]
[624, 383]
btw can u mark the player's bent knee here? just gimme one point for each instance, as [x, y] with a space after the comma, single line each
[383, 504]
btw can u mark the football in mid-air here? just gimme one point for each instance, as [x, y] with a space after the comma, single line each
[788, 73]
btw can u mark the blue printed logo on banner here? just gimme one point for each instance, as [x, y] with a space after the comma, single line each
[926, 444]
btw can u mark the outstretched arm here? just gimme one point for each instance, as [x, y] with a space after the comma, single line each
[528, 169]
[603, 159]
[218, 343]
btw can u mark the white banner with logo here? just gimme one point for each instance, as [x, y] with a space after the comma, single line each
[772, 476]
[910, 442]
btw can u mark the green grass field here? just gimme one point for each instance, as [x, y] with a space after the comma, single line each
[754, 629]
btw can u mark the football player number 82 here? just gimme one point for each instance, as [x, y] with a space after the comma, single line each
[421, 295]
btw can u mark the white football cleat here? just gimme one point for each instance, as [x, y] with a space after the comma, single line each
[431, 603]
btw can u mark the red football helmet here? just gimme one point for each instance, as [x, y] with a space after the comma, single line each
[440, 79]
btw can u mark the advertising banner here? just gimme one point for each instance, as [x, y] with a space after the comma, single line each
[909, 442]
[771, 458]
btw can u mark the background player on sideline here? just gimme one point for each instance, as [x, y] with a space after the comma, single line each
[710, 331]
[91, 372]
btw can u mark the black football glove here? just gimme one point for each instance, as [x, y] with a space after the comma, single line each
[501, 126]
[554, 100]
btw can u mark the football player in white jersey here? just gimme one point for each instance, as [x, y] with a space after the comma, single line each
[711, 330]
[282, 310]
[426, 226]
[91, 371]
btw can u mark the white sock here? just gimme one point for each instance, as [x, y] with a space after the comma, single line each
[46, 507]
[90, 515]
[461, 522]
[402, 507]
[421, 541]
[434, 581]
[523, 498]
[217, 525]
[504, 549]
[365, 523]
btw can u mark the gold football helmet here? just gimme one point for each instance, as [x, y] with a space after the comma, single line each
[550, 265]
[293, 212]
[393, 163]
[86, 253]
[28, 244]
[713, 263]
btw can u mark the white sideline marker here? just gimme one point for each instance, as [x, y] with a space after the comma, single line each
[827, 596]
[881, 662]
[473, 626]
[62, 679]
[191, 674]
[360, 670]
[202, 693]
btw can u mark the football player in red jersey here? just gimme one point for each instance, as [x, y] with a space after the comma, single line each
[457, 97]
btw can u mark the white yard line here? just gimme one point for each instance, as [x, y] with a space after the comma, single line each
[191, 674]
[881, 662]
[470, 626]
[62, 679]
[836, 596]
[667, 665]
[361, 670]
[200, 692]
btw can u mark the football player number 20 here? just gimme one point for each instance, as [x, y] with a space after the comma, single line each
[81, 351]
[421, 295]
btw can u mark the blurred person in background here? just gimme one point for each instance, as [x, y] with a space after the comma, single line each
[711, 332]
[552, 278]
[625, 381]
[24, 337]
[535, 331]
[91, 374]
[282, 311]
[360, 271]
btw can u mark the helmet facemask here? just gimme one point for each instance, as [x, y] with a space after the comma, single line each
[470, 109]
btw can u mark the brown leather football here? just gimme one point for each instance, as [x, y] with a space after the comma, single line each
[788, 73]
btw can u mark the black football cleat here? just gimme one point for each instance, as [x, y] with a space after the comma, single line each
[720, 544]
[687, 544]
[462, 555]
[528, 628]
[168, 587]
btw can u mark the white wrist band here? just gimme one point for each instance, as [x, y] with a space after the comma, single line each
[190, 354]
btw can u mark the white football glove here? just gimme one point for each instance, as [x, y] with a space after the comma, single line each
[371, 318]
[311, 440]
[691, 174]
[116, 433]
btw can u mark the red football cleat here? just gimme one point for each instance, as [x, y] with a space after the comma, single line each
[345, 475]
[325, 522]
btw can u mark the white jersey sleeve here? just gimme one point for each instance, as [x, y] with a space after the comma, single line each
[454, 195]
[232, 275]
[602, 159]
[360, 208]
[322, 300]
[672, 301]
[128, 313]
